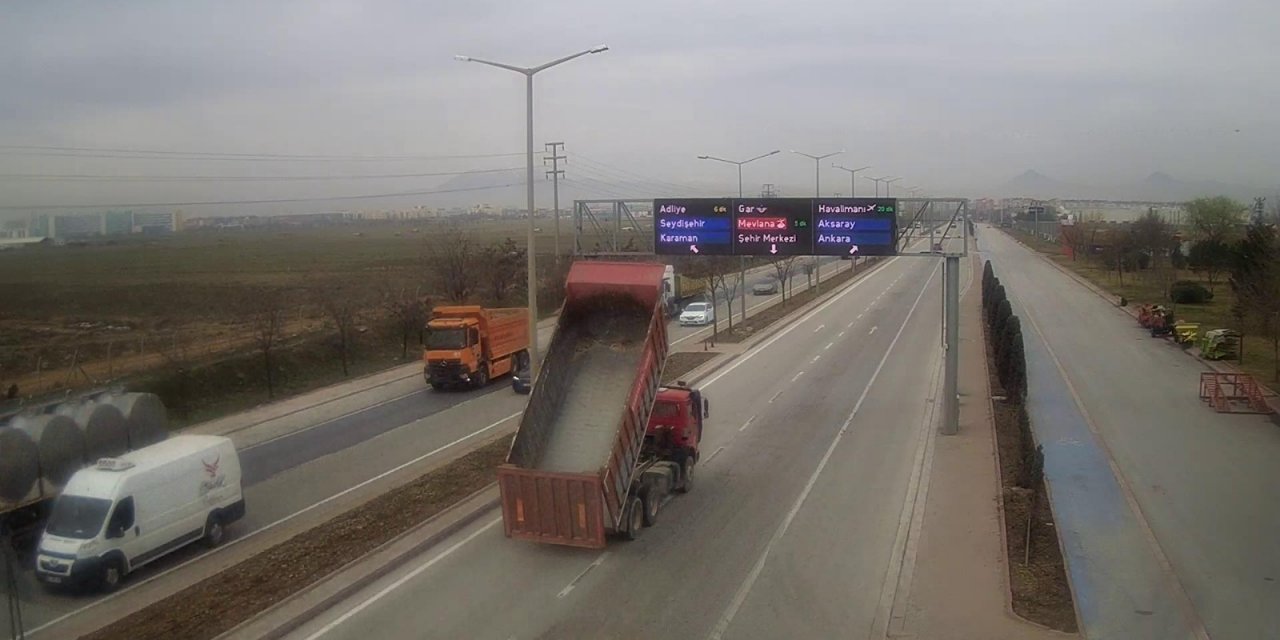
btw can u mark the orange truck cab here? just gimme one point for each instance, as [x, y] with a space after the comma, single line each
[469, 345]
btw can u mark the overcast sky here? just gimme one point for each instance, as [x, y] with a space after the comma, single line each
[951, 95]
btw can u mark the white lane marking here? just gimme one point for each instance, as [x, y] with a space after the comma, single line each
[403, 579]
[754, 574]
[873, 330]
[830, 343]
[573, 583]
[274, 524]
[815, 359]
[775, 396]
[819, 328]
[748, 422]
[840, 335]
[778, 336]
[797, 376]
[714, 453]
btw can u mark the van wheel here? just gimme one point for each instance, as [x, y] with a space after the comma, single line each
[112, 575]
[214, 532]
[634, 519]
[652, 502]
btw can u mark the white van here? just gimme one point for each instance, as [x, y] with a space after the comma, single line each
[124, 512]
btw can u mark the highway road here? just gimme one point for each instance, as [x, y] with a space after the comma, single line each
[795, 528]
[1168, 510]
[303, 471]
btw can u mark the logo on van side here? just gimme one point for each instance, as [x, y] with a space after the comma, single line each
[215, 481]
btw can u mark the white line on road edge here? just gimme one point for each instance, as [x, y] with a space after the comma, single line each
[797, 376]
[403, 579]
[748, 422]
[573, 583]
[906, 542]
[1126, 489]
[749, 582]
[873, 330]
[271, 525]
[777, 336]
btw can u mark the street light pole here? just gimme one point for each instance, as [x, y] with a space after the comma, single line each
[817, 193]
[877, 181]
[887, 182]
[530, 249]
[853, 189]
[742, 261]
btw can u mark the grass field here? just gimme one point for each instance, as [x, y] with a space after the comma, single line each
[1144, 288]
[126, 304]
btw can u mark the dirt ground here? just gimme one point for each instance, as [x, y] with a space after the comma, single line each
[219, 603]
[1038, 579]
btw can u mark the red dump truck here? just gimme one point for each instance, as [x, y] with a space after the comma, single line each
[602, 443]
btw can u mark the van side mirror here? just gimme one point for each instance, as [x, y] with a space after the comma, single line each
[706, 408]
[114, 531]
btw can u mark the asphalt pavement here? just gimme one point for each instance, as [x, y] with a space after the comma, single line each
[794, 529]
[1167, 510]
[320, 452]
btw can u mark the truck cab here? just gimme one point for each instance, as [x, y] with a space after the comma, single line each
[452, 351]
[675, 425]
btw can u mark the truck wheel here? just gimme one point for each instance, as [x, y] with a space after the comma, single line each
[652, 502]
[112, 575]
[438, 386]
[686, 473]
[634, 519]
[214, 533]
[482, 377]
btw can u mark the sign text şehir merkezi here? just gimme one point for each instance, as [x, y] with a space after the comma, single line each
[776, 226]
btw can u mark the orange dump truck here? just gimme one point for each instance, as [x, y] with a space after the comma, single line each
[469, 345]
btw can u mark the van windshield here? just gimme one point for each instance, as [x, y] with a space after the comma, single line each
[438, 339]
[77, 517]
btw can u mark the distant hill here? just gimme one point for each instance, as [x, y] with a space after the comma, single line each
[1157, 187]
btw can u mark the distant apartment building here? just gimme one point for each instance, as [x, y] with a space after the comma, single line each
[103, 223]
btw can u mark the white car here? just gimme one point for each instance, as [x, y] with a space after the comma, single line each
[698, 313]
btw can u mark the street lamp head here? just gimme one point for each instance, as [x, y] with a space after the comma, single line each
[774, 152]
[704, 157]
[600, 48]
[462, 58]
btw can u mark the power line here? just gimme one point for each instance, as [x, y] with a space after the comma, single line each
[602, 167]
[151, 154]
[645, 185]
[140, 205]
[179, 178]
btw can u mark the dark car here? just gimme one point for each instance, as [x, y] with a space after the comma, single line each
[522, 378]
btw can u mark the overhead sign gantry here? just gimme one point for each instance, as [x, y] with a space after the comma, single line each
[776, 226]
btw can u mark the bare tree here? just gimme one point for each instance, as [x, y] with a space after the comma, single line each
[723, 275]
[266, 312]
[502, 265]
[408, 307]
[453, 259]
[1255, 280]
[343, 304]
[783, 267]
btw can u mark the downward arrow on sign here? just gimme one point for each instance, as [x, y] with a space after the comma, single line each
[773, 248]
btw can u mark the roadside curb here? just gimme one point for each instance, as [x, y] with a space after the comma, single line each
[1214, 365]
[369, 568]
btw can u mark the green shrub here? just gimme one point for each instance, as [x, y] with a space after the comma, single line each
[1189, 292]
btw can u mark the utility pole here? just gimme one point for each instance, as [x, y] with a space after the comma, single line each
[554, 149]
